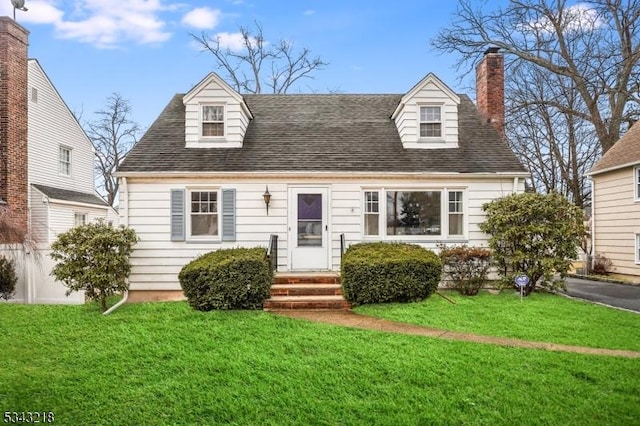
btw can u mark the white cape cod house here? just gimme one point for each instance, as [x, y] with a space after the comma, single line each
[348, 168]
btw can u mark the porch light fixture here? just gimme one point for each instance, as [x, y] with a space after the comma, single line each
[267, 198]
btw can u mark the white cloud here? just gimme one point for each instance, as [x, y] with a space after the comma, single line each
[103, 23]
[202, 18]
[577, 17]
[309, 12]
[232, 41]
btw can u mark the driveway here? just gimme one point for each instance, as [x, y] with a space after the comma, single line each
[619, 295]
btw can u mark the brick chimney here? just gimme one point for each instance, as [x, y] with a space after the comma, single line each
[490, 88]
[13, 120]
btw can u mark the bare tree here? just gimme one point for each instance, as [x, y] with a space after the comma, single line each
[258, 66]
[558, 147]
[595, 44]
[113, 134]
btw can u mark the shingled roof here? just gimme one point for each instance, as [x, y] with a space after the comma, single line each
[328, 133]
[71, 196]
[625, 152]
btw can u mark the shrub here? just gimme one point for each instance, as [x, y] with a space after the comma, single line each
[389, 272]
[466, 267]
[95, 258]
[601, 265]
[238, 278]
[8, 278]
[534, 234]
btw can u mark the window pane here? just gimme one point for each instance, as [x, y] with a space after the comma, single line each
[212, 129]
[204, 224]
[430, 114]
[371, 224]
[413, 213]
[371, 204]
[212, 113]
[455, 202]
[638, 182]
[310, 220]
[455, 224]
[430, 130]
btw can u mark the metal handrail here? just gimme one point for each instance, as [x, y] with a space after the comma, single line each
[343, 246]
[272, 251]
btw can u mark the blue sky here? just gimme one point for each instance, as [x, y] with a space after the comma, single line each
[142, 48]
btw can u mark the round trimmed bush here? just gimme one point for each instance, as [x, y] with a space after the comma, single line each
[8, 278]
[238, 278]
[389, 272]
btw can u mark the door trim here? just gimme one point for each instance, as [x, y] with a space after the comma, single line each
[292, 205]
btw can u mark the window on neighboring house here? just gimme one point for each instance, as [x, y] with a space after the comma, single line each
[80, 219]
[34, 95]
[430, 122]
[636, 178]
[371, 213]
[414, 213]
[456, 215]
[212, 121]
[204, 213]
[65, 161]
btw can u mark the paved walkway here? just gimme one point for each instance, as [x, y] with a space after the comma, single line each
[354, 320]
[618, 295]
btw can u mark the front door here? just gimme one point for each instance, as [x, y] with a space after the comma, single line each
[308, 229]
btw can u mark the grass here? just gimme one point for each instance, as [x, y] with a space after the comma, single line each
[164, 363]
[538, 317]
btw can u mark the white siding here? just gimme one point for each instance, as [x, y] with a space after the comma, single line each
[157, 260]
[213, 91]
[616, 219]
[51, 124]
[62, 217]
[39, 217]
[430, 93]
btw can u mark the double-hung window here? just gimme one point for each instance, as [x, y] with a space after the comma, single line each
[80, 219]
[204, 213]
[64, 161]
[456, 214]
[431, 121]
[212, 121]
[371, 213]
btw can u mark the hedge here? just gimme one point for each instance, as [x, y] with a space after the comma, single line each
[238, 278]
[389, 272]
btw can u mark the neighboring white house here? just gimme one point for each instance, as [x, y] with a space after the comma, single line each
[338, 167]
[58, 164]
[616, 205]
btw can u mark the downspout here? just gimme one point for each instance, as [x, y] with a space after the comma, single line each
[125, 218]
[593, 224]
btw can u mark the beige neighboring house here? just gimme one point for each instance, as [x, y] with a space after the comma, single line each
[46, 175]
[616, 205]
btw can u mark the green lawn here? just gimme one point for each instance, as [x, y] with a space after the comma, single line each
[538, 317]
[166, 364]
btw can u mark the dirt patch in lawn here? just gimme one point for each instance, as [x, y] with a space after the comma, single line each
[347, 318]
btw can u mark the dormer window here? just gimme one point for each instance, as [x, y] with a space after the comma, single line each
[430, 122]
[212, 121]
